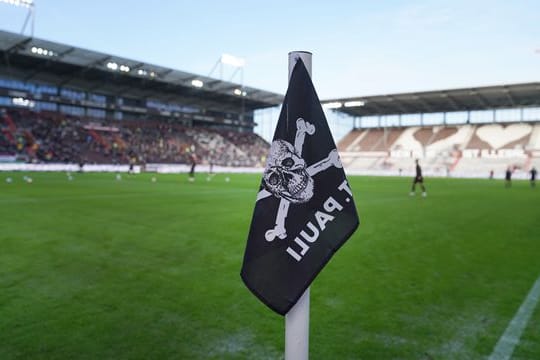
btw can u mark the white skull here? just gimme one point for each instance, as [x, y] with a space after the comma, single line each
[285, 175]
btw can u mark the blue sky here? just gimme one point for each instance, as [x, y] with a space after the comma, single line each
[359, 47]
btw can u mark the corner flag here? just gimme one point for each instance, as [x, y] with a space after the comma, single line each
[305, 209]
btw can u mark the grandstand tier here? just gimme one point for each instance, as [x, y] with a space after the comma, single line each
[456, 132]
[55, 137]
[462, 150]
[61, 103]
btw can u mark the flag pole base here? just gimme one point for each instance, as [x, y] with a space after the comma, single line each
[297, 330]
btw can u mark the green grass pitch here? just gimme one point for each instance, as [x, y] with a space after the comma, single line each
[97, 268]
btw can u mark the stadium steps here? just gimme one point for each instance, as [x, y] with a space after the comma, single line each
[10, 123]
[442, 134]
[406, 141]
[477, 143]
[121, 143]
[10, 129]
[534, 140]
[9, 136]
[450, 139]
[99, 139]
[456, 161]
[359, 138]
[370, 140]
[387, 139]
[468, 139]
[346, 142]
[433, 136]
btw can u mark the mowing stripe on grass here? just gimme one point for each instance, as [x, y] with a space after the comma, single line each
[508, 341]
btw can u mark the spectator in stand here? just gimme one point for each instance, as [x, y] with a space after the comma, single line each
[55, 137]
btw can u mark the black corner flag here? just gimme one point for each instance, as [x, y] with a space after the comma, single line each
[304, 210]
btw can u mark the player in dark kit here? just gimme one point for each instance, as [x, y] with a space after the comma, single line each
[533, 176]
[193, 159]
[132, 161]
[508, 177]
[418, 179]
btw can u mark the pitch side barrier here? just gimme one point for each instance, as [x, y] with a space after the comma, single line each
[516, 175]
[205, 169]
[67, 167]
[184, 168]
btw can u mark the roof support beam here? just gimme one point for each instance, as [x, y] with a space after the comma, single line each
[164, 73]
[509, 96]
[84, 69]
[13, 48]
[396, 102]
[6, 59]
[450, 101]
[17, 45]
[378, 109]
[479, 99]
[46, 63]
[423, 104]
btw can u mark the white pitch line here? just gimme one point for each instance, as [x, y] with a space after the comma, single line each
[508, 341]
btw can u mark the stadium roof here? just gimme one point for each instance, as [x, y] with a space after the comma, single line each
[34, 59]
[467, 99]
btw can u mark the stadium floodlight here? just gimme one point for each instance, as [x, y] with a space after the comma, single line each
[152, 74]
[332, 105]
[142, 72]
[236, 63]
[112, 66]
[197, 83]
[233, 61]
[124, 68]
[237, 92]
[24, 3]
[42, 51]
[20, 101]
[30, 16]
[354, 103]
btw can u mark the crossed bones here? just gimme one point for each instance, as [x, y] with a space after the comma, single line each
[302, 128]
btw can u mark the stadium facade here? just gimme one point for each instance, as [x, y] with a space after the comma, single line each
[45, 75]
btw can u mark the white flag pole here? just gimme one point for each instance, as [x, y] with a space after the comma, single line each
[297, 319]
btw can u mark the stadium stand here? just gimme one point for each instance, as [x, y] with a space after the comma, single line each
[478, 143]
[38, 137]
[64, 104]
[464, 149]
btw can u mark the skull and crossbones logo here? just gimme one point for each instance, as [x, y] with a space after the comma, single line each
[289, 178]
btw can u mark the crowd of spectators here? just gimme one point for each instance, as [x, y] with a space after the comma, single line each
[54, 137]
